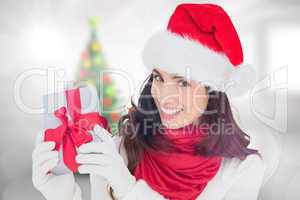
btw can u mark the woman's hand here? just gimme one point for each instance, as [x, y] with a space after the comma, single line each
[103, 159]
[52, 187]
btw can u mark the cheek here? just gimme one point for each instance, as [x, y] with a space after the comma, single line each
[201, 100]
[154, 91]
[195, 102]
[187, 100]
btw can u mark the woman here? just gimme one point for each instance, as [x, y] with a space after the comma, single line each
[181, 141]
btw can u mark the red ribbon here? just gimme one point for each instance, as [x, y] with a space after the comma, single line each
[73, 133]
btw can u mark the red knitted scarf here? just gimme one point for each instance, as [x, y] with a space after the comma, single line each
[178, 175]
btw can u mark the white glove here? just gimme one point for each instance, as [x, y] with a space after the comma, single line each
[51, 186]
[103, 159]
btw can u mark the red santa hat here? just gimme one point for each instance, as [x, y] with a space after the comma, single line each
[201, 44]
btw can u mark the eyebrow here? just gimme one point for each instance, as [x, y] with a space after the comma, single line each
[174, 77]
[154, 70]
[177, 77]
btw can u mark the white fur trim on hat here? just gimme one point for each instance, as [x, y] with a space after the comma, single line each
[186, 57]
[241, 80]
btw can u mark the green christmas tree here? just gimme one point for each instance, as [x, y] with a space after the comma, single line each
[92, 62]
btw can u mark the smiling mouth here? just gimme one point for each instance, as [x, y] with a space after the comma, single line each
[169, 113]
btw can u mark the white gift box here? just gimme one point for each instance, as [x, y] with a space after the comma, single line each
[51, 102]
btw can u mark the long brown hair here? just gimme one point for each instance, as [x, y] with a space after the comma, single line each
[140, 125]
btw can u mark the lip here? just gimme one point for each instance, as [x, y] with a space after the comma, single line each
[168, 117]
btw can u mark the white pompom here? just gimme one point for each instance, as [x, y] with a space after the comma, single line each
[241, 80]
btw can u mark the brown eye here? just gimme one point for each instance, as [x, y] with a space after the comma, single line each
[183, 83]
[157, 77]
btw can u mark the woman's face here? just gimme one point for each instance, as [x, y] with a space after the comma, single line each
[179, 101]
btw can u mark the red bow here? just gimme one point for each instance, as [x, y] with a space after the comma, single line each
[73, 133]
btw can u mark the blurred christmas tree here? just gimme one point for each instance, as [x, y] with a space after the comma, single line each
[92, 63]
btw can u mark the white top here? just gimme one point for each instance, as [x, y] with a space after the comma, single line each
[235, 180]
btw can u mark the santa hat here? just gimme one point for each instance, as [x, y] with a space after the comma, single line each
[201, 44]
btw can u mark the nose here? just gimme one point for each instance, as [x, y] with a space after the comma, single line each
[169, 96]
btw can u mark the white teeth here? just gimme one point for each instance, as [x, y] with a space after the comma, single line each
[170, 111]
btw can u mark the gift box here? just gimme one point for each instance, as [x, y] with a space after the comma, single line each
[68, 120]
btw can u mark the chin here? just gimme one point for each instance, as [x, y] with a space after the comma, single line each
[172, 124]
